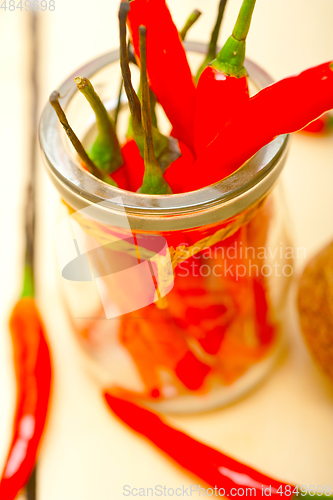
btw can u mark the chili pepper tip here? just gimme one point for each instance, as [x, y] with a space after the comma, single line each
[54, 96]
[81, 82]
[123, 10]
[189, 23]
[142, 30]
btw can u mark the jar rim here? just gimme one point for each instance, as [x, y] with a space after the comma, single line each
[219, 201]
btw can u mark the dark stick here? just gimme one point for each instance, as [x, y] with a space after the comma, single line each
[30, 207]
[31, 486]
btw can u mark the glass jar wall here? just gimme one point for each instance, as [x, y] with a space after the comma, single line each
[176, 300]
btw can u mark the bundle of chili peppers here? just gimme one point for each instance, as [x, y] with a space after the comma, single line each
[216, 125]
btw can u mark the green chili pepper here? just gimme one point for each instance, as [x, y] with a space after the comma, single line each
[153, 180]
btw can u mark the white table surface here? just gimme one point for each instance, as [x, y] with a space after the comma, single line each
[285, 428]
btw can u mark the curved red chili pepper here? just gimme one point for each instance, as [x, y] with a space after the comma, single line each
[169, 73]
[222, 87]
[215, 468]
[284, 107]
[33, 375]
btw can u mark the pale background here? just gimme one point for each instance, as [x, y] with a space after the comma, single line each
[285, 427]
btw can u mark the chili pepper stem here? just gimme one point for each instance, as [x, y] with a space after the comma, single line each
[133, 100]
[121, 86]
[230, 60]
[93, 169]
[28, 282]
[211, 54]
[105, 152]
[153, 180]
[189, 23]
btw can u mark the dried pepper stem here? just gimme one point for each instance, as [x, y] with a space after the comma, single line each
[231, 58]
[105, 152]
[211, 54]
[189, 23]
[153, 180]
[93, 169]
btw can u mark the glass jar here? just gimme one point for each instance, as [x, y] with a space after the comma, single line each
[177, 300]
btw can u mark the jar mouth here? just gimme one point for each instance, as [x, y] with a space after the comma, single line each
[231, 195]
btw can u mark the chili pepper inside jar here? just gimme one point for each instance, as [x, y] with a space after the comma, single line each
[177, 300]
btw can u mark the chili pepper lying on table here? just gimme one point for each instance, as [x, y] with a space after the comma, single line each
[284, 107]
[222, 87]
[33, 375]
[169, 73]
[224, 474]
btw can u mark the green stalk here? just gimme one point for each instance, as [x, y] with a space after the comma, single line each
[153, 180]
[230, 60]
[105, 152]
[93, 169]
[211, 54]
[189, 23]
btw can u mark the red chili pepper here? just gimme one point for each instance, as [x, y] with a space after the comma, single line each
[321, 126]
[169, 73]
[222, 88]
[191, 371]
[130, 175]
[215, 468]
[284, 107]
[266, 330]
[33, 374]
